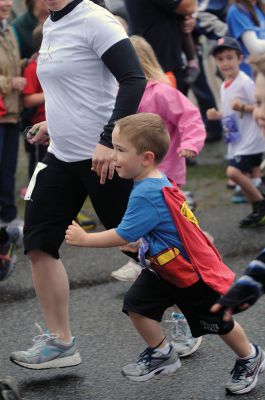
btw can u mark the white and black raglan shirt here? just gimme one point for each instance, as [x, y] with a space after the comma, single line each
[84, 52]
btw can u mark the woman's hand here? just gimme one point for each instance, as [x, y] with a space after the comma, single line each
[38, 134]
[18, 83]
[102, 163]
[75, 235]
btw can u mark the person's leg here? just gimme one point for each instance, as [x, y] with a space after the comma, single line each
[249, 363]
[244, 181]
[149, 329]
[10, 236]
[55, 301]
[56, 200]
[8, 170]
[2, 138]
[237, 340]
[145, 303]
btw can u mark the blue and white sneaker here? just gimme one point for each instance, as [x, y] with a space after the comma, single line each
[244, 375]
[150, 363]
[48, 352]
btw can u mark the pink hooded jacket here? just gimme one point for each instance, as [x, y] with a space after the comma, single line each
[183, 122]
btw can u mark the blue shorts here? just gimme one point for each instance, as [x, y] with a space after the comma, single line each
[246, 163]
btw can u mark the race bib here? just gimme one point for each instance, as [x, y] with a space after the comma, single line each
[230, 127]
[40, 166]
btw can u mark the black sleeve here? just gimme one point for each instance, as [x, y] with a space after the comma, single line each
[169, 5]
[122, 61]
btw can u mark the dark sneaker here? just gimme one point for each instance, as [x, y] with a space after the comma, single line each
[256, 218]
[85, 221]
[8, 389]
[47, 352]
[244, 375]
[150, 363]
[7, 257]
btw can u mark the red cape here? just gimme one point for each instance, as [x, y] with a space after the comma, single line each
[203, 255]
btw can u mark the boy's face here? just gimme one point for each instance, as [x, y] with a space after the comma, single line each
[259, 111]
[5, 8]
[128, 163]
[228, 63]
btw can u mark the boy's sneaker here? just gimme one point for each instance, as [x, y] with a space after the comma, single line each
[8, 389]
[7, 257]
[244, 375]
[256, 218]
[85, 221]
[48, 352]
[238, 198]
[183, 341]
[128, 272]
[150, 363]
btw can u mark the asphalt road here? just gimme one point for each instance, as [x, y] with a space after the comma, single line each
[106, 339]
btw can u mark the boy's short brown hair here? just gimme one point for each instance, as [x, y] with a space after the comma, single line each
[147, 132]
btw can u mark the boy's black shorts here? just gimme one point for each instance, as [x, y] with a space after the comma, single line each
[151, 296]
[58, 195]
[246, 163]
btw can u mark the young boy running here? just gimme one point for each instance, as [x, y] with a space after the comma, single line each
[245, 141]
[182, 266]
[248, 288]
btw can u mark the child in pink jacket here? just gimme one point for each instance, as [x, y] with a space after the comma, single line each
[182, 119]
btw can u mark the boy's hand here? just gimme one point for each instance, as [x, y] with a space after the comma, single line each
[213, 114]
[187, 153]
[237, 105]
[75, 235]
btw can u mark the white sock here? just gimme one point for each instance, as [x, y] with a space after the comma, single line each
[68, 343]
[256, 181]
[165, 349]
[251, 355]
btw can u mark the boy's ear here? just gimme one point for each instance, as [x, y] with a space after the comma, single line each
[148, 158]
[241, 58]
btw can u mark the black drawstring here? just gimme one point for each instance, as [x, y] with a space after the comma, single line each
[159, 344]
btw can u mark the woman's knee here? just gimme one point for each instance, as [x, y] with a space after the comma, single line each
[37, 255]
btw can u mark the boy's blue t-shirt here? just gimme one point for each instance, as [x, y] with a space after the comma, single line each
[240, 21]
[148, 216]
